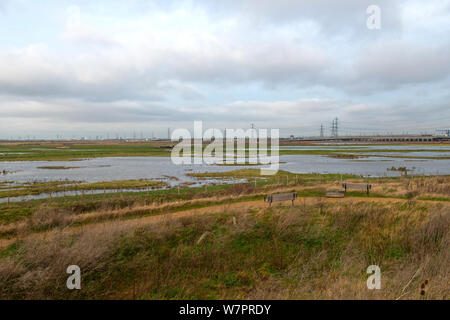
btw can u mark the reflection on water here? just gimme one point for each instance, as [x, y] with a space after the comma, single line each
[370, 166]
[105, 169]
[131, 168]
[161, 168]
[88, 193]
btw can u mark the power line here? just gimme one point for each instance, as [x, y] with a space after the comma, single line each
[335, 128]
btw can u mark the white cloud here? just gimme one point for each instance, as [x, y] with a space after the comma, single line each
[274, 62]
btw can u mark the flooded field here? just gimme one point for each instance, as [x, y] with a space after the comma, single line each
[421, 151]
[364, 160]
[105, 169]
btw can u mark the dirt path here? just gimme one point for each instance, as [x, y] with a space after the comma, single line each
[131, 223]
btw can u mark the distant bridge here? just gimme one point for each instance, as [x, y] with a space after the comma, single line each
[387, 138]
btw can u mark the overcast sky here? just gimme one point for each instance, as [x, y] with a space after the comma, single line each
[91, 67]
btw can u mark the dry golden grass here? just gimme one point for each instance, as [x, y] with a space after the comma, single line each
[432, 186]
[318, 249]
[48, 217]
[313, 251]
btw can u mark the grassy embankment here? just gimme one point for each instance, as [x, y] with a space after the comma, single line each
[317, 249]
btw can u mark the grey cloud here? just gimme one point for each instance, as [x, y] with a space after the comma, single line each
[168, 73]
[375, 79]
[122, 112]
[331, 15]
[401, 114]
[396, 63]
[4, 4]
[306, 114]
[276, 63]
[93, 112]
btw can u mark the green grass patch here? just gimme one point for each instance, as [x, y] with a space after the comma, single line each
[67, 186]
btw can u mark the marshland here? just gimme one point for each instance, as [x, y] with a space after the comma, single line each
[206, 233]
[229, 150]
[29, 168]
